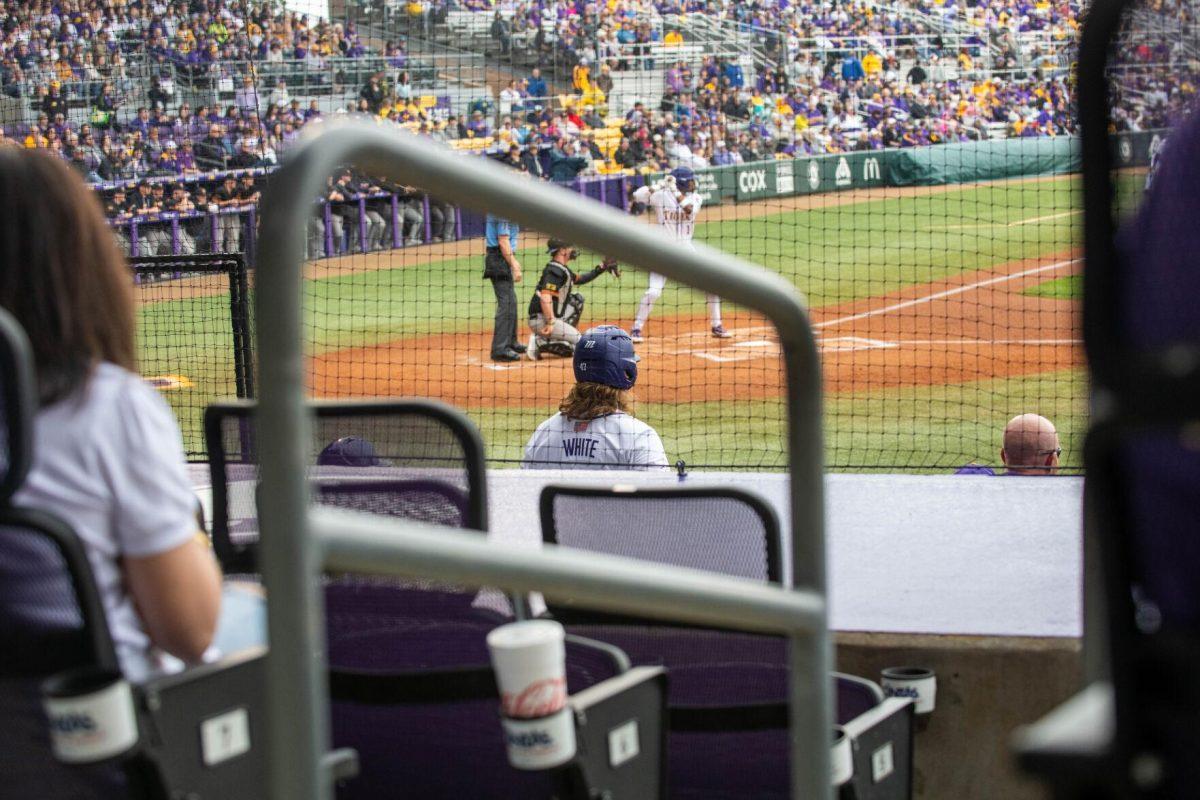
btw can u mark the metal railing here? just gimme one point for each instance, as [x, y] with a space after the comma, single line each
[298, 542]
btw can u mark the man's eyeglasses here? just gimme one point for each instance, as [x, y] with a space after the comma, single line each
[1056, 452]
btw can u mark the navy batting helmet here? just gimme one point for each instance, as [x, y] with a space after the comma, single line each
[685, 179]
[605, 355]
[349, 451]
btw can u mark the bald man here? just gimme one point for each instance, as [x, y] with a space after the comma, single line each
[1031, 446]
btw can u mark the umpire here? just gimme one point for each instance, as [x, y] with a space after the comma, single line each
[555, 309]
[502, 268]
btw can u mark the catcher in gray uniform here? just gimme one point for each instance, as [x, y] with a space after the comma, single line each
[556, 308]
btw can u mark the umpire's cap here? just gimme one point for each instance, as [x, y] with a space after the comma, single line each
[349, 451]
[605, 355]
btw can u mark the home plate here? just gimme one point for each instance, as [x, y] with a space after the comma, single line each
[754, 343]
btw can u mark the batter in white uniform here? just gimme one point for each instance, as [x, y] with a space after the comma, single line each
[678, 205]
[595, 427]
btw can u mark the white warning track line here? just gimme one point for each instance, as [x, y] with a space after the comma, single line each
[970, 287]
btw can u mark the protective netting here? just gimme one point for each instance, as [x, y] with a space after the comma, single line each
[194, 334]
[916, 180]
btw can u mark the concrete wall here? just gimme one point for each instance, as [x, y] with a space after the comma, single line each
[987, 686]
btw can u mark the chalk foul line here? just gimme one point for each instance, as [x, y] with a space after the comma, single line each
[970, 287]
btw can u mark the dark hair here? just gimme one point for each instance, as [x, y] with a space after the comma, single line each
[61, 274]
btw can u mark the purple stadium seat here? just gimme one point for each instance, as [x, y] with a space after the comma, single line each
[727, 691]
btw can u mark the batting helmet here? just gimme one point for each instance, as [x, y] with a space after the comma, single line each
[349, 451]
[685, 179]
[605, 355]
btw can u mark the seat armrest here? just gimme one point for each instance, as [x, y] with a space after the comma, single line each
[882, 744]
[1072, 747]
[204, 728]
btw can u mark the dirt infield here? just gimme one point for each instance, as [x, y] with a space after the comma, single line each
[974, 326]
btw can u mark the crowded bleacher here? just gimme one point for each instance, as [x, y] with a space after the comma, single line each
[168, 93]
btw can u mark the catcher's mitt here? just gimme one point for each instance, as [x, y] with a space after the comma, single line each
[611, 265]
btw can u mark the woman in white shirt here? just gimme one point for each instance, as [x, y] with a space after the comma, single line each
[108, 456]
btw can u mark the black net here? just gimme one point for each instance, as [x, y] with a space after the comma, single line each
[194, 335]
[911, 169]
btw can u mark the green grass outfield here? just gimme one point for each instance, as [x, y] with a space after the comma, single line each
[1068, 287]
[834, 254]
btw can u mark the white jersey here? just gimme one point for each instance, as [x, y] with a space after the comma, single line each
[677, 216]
[614, 441]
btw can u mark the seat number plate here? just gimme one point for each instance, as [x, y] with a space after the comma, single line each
[623, 743]
[882, 764]
[224, 737]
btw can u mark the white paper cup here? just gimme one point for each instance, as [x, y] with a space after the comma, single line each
[918, 683]
[91, 715]
[529, 659]
[842, 758]
[540, 743]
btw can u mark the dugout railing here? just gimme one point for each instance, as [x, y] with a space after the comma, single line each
[298, 541]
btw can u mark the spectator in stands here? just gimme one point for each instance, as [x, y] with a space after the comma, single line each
[564, 166]
[510, 98]
[373, 92]
[537, 88]
[1031, 446]
[132, 505]
[501, 31]
[212, 152]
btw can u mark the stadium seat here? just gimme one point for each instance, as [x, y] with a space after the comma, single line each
[418, 702]
[52, 620]
[727, 696]
[1134, 730]
[414, 459]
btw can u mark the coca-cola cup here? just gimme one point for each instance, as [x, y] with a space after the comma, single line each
[529, 659]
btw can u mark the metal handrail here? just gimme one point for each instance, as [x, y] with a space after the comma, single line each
[293, 556]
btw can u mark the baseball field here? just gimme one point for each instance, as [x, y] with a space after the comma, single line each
[941, 312]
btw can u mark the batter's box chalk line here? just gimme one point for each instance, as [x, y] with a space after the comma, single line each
[835, 344]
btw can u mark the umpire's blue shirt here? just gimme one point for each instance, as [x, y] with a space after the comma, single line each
[495, 227]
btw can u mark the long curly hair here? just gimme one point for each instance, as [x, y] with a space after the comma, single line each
[588, 400]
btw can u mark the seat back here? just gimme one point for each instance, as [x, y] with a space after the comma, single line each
[417, 459]
[418, 702]
[51, 616]
[718, 529]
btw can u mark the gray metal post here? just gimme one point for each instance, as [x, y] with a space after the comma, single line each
[291, 558]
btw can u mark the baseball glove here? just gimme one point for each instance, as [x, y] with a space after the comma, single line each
[610, 265]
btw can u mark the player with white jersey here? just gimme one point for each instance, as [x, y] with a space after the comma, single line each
[595, 427]
[677, 205]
